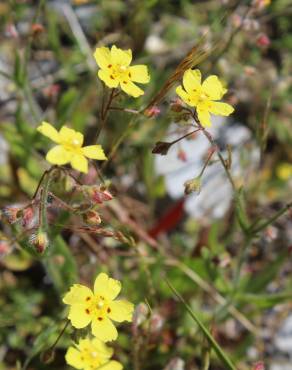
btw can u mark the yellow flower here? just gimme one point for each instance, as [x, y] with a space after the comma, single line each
[69, 148]
[284, 171]
[115, 70]
[91, 355]
[98, 307]
[203, 96]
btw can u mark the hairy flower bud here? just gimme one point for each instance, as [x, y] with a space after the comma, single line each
[193, 185]
[92, 218]
[40, 241]
[12, 213]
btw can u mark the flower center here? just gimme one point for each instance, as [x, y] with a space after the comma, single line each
[119, 72]
[75, 142]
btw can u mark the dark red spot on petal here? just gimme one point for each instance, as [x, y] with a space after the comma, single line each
[99, 318]
[112, 77]
[130, 74]
[87, 311]
[125, 82]
[109, 66]
[88, 298]
[108, 310]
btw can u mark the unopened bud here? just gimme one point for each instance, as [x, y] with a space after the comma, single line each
[258, 366]
[263, 40]
[5, 247]
[193, 185]
[12, 213]
[161, 147]
[140, 315]
[48, 356]
[92, 218]
[99, 194]
[152, 111]
[156, 323]
[175, 364]
[176, 105]
[27, 217]
[182, 155]
[40, 241]
[37, 29]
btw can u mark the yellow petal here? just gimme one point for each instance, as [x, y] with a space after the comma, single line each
[103, 57]
[77, 294]
[58, 155]
[108, 78]
[48, 130]
[112, 365]
[73, 358]
[221, 109]
[121, 57]
[94, 152]
[213, 88]
[70, 136]
[103, 351]
[78, 316]
[204, 117]
[131, 89]
[104, 329]
[192, 81]
[121, 310]
[139, 74]
[79, 163]
[107, 287]
[185, 96]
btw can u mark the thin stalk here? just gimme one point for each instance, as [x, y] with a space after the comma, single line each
[219, 351]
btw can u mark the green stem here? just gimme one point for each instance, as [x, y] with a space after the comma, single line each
[255, 230]
[219, 351]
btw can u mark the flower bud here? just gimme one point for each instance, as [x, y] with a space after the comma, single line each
[176, 105]
[161, 147]
[152, 111]
[12, 213]
[40, 241]
[5, 247]
[182, 155]
[175, 364]
[258, 366]
[92, 218]
[263, 40]
[193, 185]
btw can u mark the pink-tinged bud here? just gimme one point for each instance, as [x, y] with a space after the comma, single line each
[261, 4]
[156, 323]
[263, 40]
[258, 366]
[5, 247]
[37, 29]
[52, 91]
[11, 31]
[40, 241]
[100, 195]
[140, 315]
[12, 213]
[92, 218]
[153, 111]
[176, 105]
[182, 155]
[27, 217]
[236, 20]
